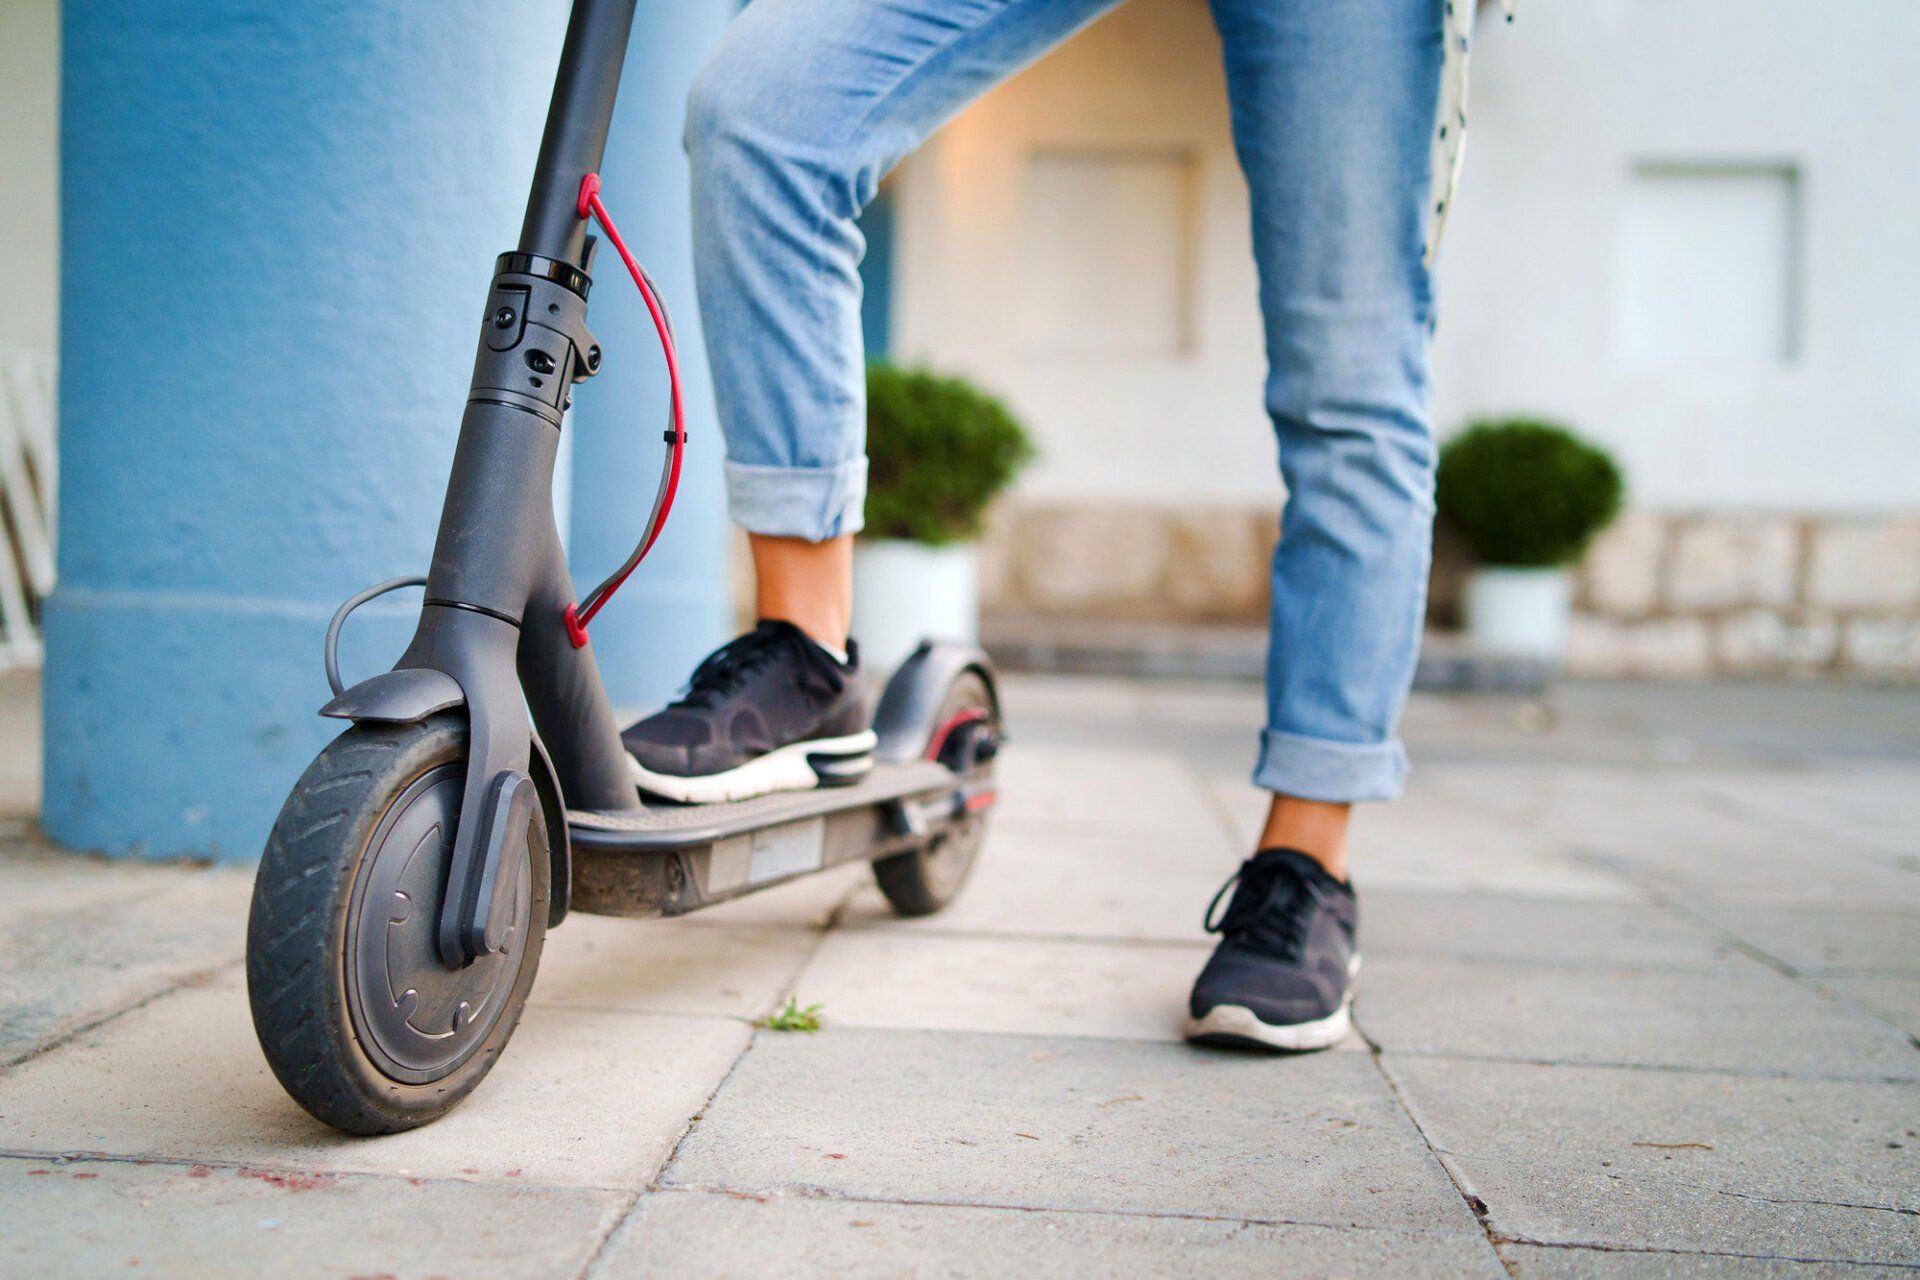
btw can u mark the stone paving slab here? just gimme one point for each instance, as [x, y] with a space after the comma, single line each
[80, 942]
[1819, 1170]
[90, 1218]
[1865, 803]
[925, 981]
[579, 1098]
[1427, 842]
[1056, 1123]
[1695, 844]
[1896, 999]
[1068, 880]
[1146, 792]
[1824, 939]
[677, 1233]
[669, 966]
[1534, 1262]
[1739, 1016]
[1537, 931]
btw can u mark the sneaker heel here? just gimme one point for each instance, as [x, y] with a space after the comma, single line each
[841, 771]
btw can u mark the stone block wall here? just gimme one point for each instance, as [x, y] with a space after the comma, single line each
[1660, 594]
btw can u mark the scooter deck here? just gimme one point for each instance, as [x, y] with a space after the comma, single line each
[669, 859]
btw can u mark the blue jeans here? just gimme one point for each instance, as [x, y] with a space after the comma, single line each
[805, 105]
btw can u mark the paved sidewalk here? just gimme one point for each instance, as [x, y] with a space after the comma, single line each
[1642, 998]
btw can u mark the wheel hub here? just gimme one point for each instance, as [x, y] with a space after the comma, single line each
[417, 1019]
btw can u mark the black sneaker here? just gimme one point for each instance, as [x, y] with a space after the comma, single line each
[1282, 976]
[770, 711]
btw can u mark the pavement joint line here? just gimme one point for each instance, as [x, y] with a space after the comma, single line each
[1793, 973]
[1609, 1247]
[1210, 799]
[197, 978]
[28, 1156]
[816, 1192]
[786, 991]
[1475, 1202]
[1652, 1068]
[612, 1230]
[1733, 806]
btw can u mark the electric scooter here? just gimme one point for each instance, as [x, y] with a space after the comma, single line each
[481, 791]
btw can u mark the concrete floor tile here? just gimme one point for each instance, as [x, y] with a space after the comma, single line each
[87, 939]
[1738, 1017]
[669, 966]
[1536, 1262]
[1894, 998]
[579, 1098]
[92, 1218]
[1691, 842]
[1147, 792]
[1823, 939]
[1428, 841]
[1872, 804]
[1059, 1123]
[1069, 880]
[677, 1233]
[1822, 1170]
[886, 978]
[1478, 926]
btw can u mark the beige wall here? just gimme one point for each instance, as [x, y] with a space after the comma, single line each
[1129, 121]
[29, 172]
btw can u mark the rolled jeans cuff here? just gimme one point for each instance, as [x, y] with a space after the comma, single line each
[1335, 772]
[815, 503]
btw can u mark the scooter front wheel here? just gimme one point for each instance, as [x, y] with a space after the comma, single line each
[360, 1020]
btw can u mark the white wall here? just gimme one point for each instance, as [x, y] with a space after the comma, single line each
[1579, 113]
[1772, 152]
[1123, 407]
[30, 172]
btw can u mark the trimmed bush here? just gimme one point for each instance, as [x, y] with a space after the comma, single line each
[939, 450]
[1526, 494]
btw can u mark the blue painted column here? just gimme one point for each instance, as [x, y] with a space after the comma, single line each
[279, 222]
[678, 606]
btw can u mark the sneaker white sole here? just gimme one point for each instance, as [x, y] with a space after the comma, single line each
[1237, 1024]
[787, 768]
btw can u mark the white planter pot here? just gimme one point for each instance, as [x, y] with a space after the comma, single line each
[1519, 612]
[904, 592]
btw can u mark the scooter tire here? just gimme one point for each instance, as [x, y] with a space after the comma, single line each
[339, 961]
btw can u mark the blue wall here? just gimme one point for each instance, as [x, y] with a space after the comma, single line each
[278, 225]
[677, 606]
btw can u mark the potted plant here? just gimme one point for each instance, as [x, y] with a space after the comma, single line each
[938, 451]
[1527, 497]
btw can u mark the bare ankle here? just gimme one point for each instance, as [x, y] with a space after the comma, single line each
[1316, 828]
[809, 584]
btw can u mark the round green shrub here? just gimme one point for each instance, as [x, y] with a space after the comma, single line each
[1526, 494]
[938, 450]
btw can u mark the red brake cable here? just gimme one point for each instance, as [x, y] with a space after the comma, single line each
[577, 616]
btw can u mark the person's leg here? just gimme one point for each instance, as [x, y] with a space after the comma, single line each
[803, 107]
[1333, 112]
[801, 110]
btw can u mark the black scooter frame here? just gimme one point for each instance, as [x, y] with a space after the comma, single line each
[492, 636]
[491, 626]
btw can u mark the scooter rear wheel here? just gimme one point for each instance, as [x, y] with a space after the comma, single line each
[359, 1019]
[924, 880]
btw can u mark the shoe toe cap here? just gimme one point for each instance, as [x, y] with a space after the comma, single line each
[1272, 990]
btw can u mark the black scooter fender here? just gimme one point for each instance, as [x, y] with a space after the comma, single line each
[904, 720]
[411, 694]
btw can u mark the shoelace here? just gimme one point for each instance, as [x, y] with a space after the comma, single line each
[1270, 913]
[725, 669]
